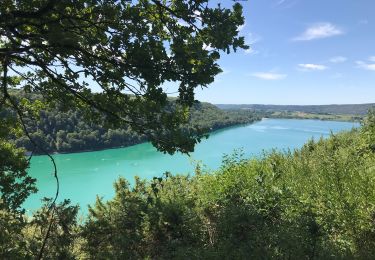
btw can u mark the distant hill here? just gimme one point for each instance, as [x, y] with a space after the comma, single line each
[347, 109]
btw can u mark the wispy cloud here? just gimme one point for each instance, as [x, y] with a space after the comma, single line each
[251, 40]
[221, 76]
[338, 59]
[268, 75]
[251, 51]
[366, 65]
[285, 3]
[224, 71]
[280, 2]
[311, 67]
[319, 31]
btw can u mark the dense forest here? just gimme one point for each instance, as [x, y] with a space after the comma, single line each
[347, 109]
[58, 130]
[317, 202]
[316, 116]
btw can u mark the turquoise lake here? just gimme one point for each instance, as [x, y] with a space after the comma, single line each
[87, 174]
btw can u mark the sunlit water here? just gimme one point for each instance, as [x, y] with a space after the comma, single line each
[85, 175]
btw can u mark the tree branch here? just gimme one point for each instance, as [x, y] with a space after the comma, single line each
[20, 116]
[36, 14]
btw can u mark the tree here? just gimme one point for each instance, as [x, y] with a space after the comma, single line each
[15, 184]
[128, 50]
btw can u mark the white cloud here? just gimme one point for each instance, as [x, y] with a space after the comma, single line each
[372, 58]
[338, 59]
[268, 75]
[251, 40]
[310, 66]
[285, 3]
[365, 65]
[319, 31]
[251, 51]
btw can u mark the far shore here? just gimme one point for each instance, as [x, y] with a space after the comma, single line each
[220, 128]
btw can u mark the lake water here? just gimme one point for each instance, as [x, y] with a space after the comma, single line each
[85, 175]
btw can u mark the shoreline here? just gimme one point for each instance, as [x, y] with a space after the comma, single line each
[210, 132]
[28, 153]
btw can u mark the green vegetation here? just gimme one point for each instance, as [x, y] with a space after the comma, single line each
[349, 109]
[303, 115]
[317, 202]
[57, 130]
[126, 50]
[354, 112]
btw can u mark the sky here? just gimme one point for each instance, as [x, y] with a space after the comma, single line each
[302, 52]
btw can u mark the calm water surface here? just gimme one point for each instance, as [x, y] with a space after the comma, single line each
[85, 175]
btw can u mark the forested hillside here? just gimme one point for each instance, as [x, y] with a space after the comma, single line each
[349, 109]
[317, 202]
[59, 130]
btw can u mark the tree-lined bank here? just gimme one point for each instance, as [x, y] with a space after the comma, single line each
[314, 202]
[64, 131]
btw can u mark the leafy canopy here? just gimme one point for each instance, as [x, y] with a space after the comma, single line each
[127, 49]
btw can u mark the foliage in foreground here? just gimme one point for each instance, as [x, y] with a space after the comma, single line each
[315, 202]
[126, 50]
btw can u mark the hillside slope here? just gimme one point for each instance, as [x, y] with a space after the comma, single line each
[346, 109]
[317, 202]
[62, 131]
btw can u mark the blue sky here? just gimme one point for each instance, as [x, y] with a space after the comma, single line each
[302, 52]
